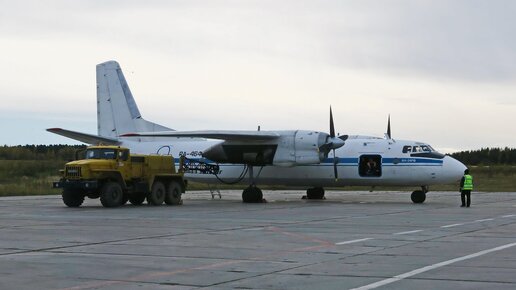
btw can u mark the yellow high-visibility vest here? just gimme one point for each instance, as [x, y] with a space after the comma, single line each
[468, 182]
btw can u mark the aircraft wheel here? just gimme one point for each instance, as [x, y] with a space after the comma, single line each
[72, 199]
[252, 194]
[137, 198]
[315, 193]
[173, 196]
[418, 196]
[157, 194]
[111, 194]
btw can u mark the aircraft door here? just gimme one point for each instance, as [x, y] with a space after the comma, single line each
[370, 165]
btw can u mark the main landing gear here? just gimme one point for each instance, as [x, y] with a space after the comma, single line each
[314, 193]
[252, 194]
[419, 196]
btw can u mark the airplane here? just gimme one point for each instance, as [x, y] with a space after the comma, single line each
[293, 158]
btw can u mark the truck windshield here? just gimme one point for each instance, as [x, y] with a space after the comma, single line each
[100, 153]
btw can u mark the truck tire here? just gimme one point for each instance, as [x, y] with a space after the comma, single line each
[173, 196]
[137, 198]
[111, 194]
[157, 194]
[125, 198]
[72, 199]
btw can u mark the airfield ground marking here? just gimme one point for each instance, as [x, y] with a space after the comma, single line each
[407, 232]
[353, 241]
[482, 220]
[509, 215]
[452, 225]
[432, 267]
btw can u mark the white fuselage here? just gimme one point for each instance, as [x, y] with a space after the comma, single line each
[393, 166]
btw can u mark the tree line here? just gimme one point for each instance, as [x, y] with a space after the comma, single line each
[39, 152]
[483, 156]
[487, 156]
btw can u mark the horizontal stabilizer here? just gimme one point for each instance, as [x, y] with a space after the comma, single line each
[211, 134]
[83, 137]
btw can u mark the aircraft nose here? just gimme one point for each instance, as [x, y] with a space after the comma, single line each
[453, 169]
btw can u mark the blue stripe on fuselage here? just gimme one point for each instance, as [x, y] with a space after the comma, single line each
[388, 161]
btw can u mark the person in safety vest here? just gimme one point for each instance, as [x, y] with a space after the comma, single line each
[466, 186]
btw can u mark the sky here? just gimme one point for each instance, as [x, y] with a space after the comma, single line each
[445, 70]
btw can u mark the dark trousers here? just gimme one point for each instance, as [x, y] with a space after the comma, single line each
[465, 195]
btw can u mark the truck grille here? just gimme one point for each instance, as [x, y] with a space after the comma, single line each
[73, 172]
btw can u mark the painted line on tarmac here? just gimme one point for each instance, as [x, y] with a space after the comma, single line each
[509, 215]
[432, 267]
[352, 241]
[452, 225]
[482, 220]
[407, 232]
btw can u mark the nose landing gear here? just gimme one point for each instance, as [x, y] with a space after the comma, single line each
[314, 193]
[419, 196]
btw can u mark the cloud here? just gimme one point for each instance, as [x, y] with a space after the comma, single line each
[279, 64]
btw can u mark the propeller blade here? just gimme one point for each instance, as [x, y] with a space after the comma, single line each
[335, 161]
[389, 127]
[332, 127]
[332, 142]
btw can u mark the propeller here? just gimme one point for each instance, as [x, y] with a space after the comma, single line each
[332, 143]
[388, 134]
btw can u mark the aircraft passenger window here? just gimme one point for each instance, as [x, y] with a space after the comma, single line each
[407, 149]
[370, 166]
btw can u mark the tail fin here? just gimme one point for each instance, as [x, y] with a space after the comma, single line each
[117, 112]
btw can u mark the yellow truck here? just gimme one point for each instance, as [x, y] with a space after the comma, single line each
[115, 176]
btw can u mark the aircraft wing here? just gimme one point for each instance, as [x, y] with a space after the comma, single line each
[83, 137]
[212, 134]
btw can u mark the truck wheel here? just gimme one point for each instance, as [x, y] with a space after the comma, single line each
[157, 194]
[137, 198]
[111, 194]
[125, 198]
[72, 199]
[173, 196]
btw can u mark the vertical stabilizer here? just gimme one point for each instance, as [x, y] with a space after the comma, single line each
[117, 112]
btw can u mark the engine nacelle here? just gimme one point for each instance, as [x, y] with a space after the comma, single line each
[299, 148]
[291, 148]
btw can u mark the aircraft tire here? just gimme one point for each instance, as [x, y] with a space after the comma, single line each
[252, 194]
[418, 196]
[173, 196]
[72, 199]
[137, 198]
[315, 193]
[111, 194]
[157, 194]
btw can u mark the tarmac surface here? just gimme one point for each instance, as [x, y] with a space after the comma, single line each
[361, 240]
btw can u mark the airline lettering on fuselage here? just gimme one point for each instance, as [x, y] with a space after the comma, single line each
[191, 153]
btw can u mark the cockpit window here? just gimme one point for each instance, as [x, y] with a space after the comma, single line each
[418, 149]
[425, 151]
[426, 148]
[422, 148]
